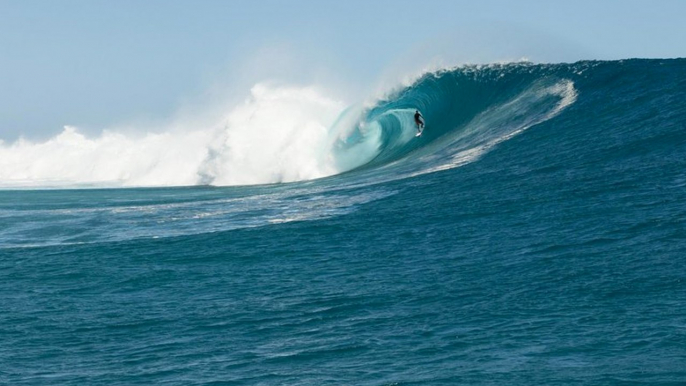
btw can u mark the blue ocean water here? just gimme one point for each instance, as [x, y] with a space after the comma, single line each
[535, 234]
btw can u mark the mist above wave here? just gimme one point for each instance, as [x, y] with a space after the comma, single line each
[277, 134]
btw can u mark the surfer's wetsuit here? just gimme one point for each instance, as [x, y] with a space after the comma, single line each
[418, 120]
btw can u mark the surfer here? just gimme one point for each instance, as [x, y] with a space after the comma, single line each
[419, 121]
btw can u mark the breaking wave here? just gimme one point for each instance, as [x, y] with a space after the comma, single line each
[286, 134]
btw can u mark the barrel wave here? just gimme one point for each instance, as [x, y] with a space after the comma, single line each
[468, 111]
[535, 234]
[286, 134]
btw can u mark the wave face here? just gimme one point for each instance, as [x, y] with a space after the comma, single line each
[535, 234]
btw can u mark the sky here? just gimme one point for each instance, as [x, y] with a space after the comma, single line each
[99, 64]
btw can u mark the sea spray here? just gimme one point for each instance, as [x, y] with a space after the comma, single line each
[277, 135]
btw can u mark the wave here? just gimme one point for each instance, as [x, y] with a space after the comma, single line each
[286, 134]
[467, 112]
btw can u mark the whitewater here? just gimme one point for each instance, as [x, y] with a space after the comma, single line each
[249, 146]
[534, 234]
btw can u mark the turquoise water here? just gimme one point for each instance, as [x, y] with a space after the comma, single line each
[535, 234]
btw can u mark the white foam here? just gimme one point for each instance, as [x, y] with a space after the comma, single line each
[278, 134]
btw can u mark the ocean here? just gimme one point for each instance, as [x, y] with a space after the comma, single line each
[535, 234]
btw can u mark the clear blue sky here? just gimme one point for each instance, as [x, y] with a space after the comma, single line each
[96, 64]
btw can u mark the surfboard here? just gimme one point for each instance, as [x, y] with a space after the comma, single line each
[419, 134]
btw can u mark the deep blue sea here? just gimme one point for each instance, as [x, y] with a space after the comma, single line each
[535, 234]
